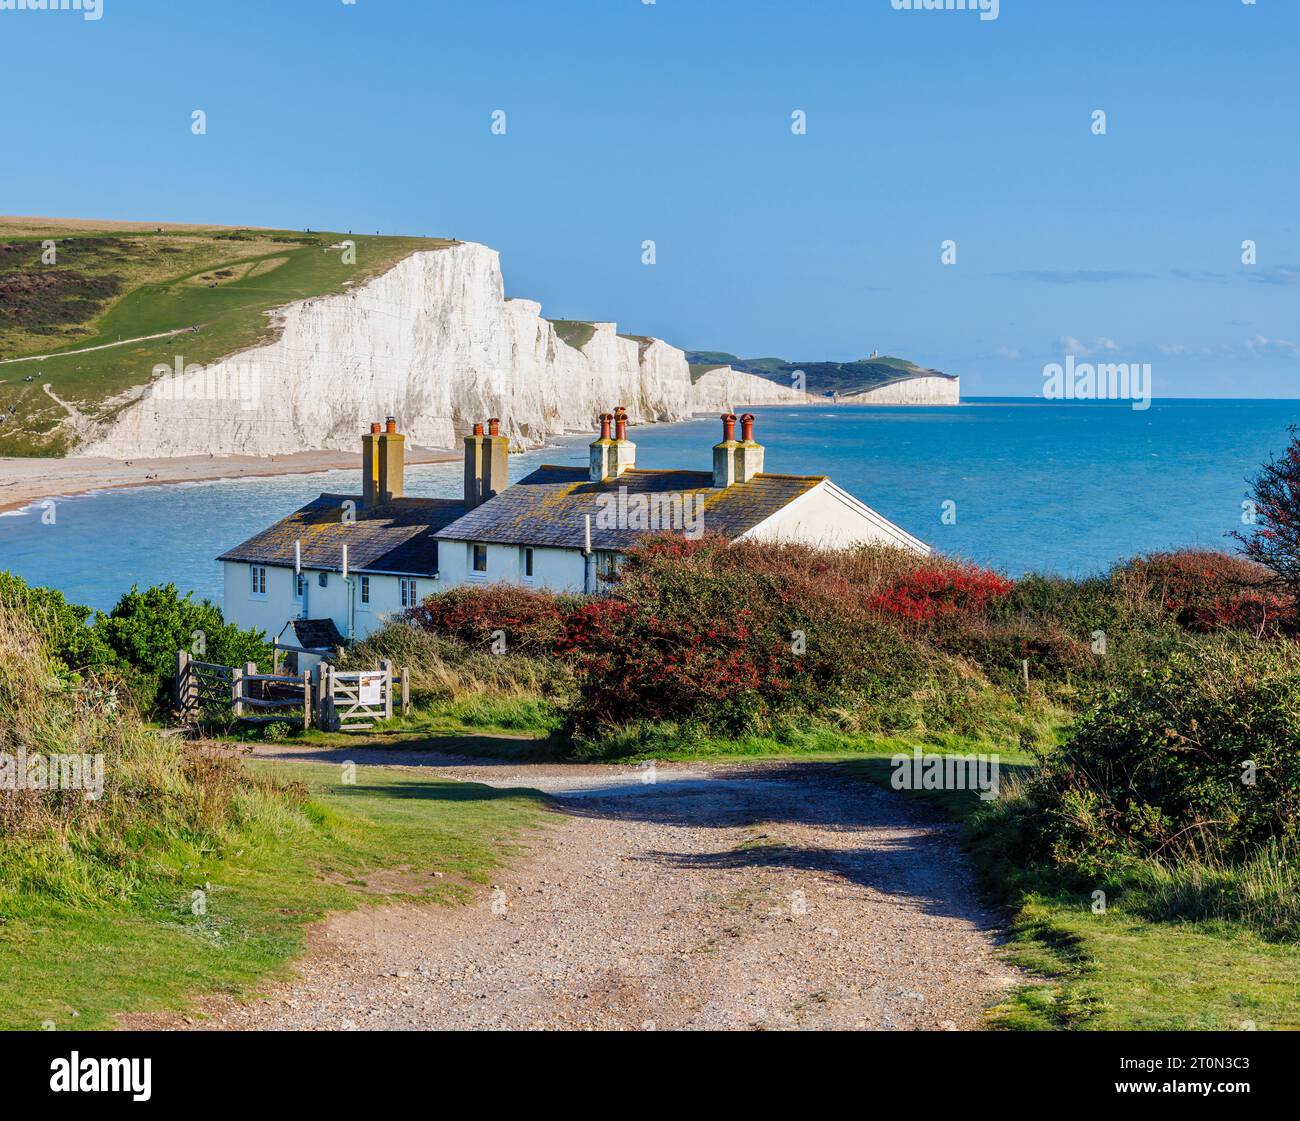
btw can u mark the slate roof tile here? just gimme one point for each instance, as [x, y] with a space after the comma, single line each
[549, 506]
[395, 538]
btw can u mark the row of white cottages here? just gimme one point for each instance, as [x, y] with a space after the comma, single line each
[342, 565]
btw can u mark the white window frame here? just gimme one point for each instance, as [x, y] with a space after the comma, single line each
[478, 573]
[257, 581]
[408, 589]
[527, 560]
[364, 593]
[300, 586]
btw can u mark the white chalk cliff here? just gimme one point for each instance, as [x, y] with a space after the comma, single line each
[433, 342]
[931, 390]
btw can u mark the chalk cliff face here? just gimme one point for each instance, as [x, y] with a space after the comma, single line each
[433, 342]
[913, 391]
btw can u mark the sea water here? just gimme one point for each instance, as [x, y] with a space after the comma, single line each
[1017, 484]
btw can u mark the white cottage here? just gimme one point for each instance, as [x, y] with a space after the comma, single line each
[339, 567]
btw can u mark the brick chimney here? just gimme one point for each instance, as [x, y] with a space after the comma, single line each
[496, 452]
[486, 457]
[370, 467]
[623, 454]
[724, 453]
[392, 462]
[474, 468]
[602, 451]
[749, 456]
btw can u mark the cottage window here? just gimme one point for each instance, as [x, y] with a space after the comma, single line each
[365, 589]
[480, 558]
[258, 572]
[299, 585]
[606, 565]
[528, 564]
[409, 596]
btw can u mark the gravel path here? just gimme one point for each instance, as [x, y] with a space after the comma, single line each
[711, 897]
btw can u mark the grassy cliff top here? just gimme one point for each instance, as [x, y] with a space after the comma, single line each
[70, 286]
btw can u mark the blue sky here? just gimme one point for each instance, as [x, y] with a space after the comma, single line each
[671, 121]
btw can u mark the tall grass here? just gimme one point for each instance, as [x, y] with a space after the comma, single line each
[165, 800]
[1261, 892]
[447, 670]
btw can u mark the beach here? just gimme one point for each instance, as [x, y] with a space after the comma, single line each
[26, 480]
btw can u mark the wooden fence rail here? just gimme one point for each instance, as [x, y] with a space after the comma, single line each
[337, 701]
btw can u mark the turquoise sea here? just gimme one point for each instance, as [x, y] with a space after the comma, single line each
[1056, 487]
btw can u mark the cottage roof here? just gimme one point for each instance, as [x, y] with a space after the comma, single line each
[550, 506]
[397, 537]
[315, 634]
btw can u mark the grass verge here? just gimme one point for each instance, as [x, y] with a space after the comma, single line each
[1120, 969]
[78, 964]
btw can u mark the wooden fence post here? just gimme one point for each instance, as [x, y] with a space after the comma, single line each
[181, 688]
[275, 655]
[1024, 665]
[327, 676]
[406, 691]
[387, 667]
[317, 715]
[306, 700]
[237, 691]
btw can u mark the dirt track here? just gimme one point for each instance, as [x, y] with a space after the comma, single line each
[773, 896]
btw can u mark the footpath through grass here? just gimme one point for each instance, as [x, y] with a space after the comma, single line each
[383, 836]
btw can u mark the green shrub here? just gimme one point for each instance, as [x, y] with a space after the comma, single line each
[65, 628]
[1196, 759]
[135, 644]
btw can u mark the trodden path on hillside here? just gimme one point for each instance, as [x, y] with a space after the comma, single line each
[97, 346]
[714, 897]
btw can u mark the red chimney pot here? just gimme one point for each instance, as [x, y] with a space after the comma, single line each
[478, 430]
[728, 427]
[620, 423]
[494, 426]
[390, 425]
[605, 419]
[747, 428]
[375, 426]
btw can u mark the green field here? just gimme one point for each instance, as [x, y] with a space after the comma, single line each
[383, 838]
[114, 282]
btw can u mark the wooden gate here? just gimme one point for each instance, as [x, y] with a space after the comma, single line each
[336, 701]
[204, 690]
[358, 699]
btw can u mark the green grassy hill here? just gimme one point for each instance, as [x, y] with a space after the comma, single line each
[820, 377]
[207, 288]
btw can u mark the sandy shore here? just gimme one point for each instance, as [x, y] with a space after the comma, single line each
[24, 481]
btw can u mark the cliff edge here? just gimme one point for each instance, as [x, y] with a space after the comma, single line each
[434, 342]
